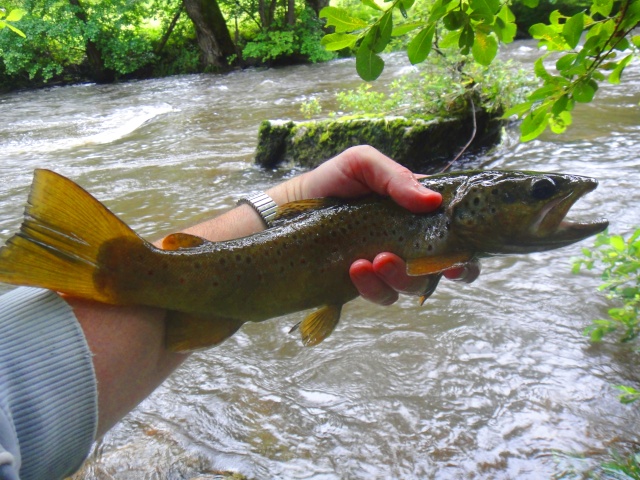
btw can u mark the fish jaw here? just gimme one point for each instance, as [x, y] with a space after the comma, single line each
[551, 229]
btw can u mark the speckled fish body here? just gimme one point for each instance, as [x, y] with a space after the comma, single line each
[75, 245]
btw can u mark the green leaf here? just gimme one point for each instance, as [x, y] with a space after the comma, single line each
[485, 48]
[371, 4]
[341, 20]
[573, 29]
[505, 26]
[369, 65]
[419, 48]
[617, 242]
[566, 61]
[636, 40]
[549, 36]
[338, 41]
[559, 123]
[406, 4]
[603, 7]
[534, 124]
[438, 10]
[542, 93]
[558, 107]
[466, 40]
[405, 28]
[15, 30]
[455, 19]
[15, 15]
[540, 71]
[518, 110]
[584, 90]
[531, 3]
[483, 9]
[614, 77]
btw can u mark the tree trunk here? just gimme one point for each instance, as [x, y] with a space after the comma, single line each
[172, 25]
[99, 73]
[317, 5]
[291, 12]
[212, 33]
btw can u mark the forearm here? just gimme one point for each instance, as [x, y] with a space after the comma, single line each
[127, 343]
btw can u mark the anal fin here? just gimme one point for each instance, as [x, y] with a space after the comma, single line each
[432, 284]
[186, 333]
[436, 264]
[318, 325]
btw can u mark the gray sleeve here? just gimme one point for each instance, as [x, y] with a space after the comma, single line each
[48, 396]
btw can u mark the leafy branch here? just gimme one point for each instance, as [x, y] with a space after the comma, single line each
[13, 16]
[477, 27]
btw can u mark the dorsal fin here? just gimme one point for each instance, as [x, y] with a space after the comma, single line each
[293, 209]
[176, 241]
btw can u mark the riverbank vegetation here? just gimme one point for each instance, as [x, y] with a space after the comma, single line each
[103, 41]
[618, 260]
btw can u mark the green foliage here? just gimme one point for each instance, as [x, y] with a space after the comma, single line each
[622, 468]
[6, 20]
[282, 40]
[444, 88]
[310, 108]
[54, 41]
[621, 276]
[125, 33]
[477, 27]
[620, 259]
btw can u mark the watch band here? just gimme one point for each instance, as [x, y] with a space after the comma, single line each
[264, 206]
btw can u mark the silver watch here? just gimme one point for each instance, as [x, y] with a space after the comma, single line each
[264, 206]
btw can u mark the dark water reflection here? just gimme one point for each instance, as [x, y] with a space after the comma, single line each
[490, 380]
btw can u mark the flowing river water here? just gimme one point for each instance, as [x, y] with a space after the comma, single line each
[488, 380]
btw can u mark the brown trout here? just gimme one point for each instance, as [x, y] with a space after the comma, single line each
[71, 243]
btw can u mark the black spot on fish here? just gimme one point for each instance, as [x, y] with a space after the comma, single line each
[476, 201]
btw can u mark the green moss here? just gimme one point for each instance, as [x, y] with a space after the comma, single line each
[419, 144]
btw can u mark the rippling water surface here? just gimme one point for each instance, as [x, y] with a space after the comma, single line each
[489, 380]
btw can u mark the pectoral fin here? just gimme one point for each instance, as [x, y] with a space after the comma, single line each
[186, 333]
[176, 241]
[432, 283]
[436, 264]
[318, 325]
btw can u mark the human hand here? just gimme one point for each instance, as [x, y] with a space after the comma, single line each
[361, 170]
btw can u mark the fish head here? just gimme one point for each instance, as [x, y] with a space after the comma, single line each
[519, 212]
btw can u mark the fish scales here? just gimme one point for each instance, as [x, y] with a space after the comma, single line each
[71, 243]
[295, 266]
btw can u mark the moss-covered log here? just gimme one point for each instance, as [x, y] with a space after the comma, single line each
[420, 145]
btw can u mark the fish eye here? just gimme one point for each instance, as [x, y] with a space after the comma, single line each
[543, 189]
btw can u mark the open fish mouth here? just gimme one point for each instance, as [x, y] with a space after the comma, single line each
[551, 227]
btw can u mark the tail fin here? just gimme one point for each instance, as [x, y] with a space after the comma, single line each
[59, 241]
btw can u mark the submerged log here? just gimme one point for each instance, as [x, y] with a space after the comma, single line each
[421, 145]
